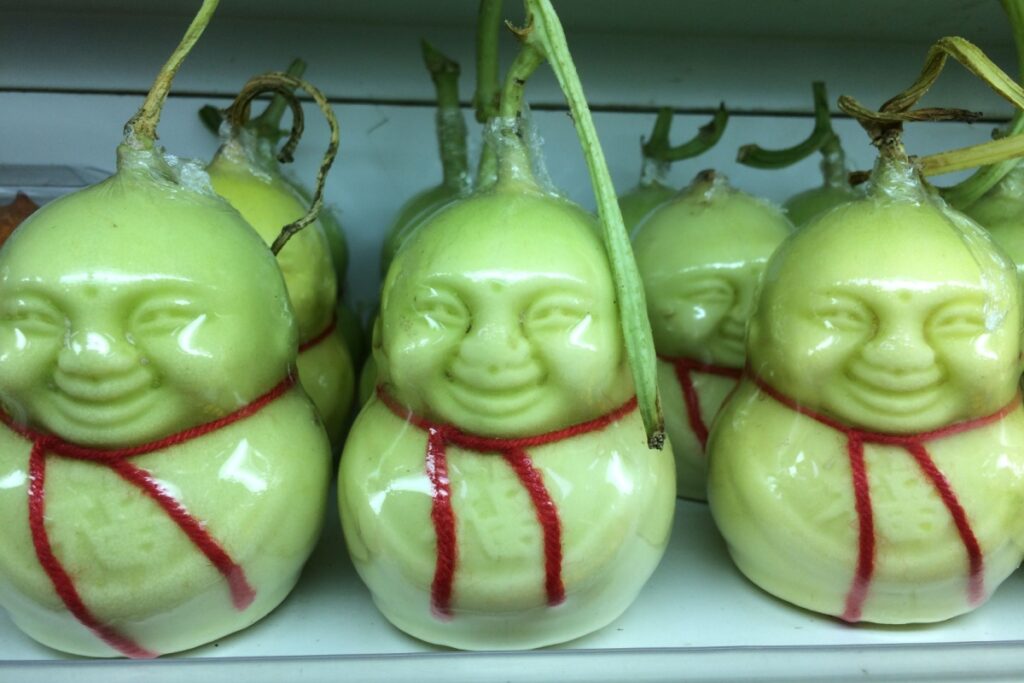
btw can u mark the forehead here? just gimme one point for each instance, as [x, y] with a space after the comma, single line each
[481, 240]
[902, 248]
[124, 244]
[670, 244]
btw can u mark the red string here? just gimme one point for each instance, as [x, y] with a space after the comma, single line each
[914, 445]
[323, 334]
[242, 593]
[513, 451]
[685, 367]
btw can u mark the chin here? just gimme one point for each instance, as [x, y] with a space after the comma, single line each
[892, 415]
[496, 418]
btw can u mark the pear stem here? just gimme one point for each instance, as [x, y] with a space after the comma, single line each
[451, 127]
[268, 124]
[822, 135]
[544, 31]
[659, 149]
[971, 189]
[898, 110]
[284, 84]
[140, 131]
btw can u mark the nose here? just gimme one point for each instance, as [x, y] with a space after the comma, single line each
[899, 347]
[495, 342]
[92, 353]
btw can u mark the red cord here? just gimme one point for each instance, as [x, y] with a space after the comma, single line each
[914, 445]
[322, 335]
[513, 451]
[242, 593]
[685, 367]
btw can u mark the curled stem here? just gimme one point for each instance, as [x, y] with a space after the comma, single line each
[268, 124]
[822, 135]
[238, 112]
[140, 131]
[544, 31]
[970, 190]
[897, 110]
[658, 149]
[284, 84]
[451, 128]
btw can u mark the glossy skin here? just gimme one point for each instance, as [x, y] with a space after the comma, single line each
[1001, 211]
[250, 182]
[415, 211]
[701, 256]
[641, 200]
[803, 207]
[161, 311]
[483, 329]
[912, 336]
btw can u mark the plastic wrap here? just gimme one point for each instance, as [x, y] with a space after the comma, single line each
[871, 463]
[497, 491]
[162, 480]
[701, 256]
[246, 174]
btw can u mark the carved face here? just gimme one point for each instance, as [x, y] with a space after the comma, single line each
[121, 323]
[701, 257]
[895, 317]
[499, 316]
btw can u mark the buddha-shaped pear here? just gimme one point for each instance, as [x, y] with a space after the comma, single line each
[871, 463]
[701, 256]
[498, 491]
[163, 476]
[245, 172]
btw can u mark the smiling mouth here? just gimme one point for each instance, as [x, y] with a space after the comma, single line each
[495, 400]
[893, 393]
[104, 403]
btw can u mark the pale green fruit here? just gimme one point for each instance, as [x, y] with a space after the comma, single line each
[1001, 211]
[802, 207]
[498, 316]
[244, 173]
[135, 309]
[416, 209]
[701, 256]
[367, 380]
[890, 314]
[641, 200]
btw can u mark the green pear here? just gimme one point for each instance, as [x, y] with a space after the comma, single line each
[889, 315]
[133, 310]
[701, 256]
[1001, 211]
[245, 173]
[498, 317]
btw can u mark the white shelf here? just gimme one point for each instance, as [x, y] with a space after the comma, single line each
[697, 617]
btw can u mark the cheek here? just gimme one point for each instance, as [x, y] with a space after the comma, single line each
[418, 362]
[26, 362]
[584, 356]
[813, 352]
[984, 360]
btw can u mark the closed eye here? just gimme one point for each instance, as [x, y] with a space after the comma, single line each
[441, 309]
[957, 320]
[34, 317]
[166, 317]
[844, 314]
[555, 313]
